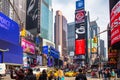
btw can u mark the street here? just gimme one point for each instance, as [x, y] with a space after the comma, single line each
[66, 78]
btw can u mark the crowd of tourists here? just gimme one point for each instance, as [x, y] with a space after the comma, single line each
[28, 75]
[105, 74]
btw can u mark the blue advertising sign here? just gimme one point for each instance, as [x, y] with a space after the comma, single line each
[9, 29]
[80, 4]
[0, 57]
[14, 55]
[45, 50]
[54, 53]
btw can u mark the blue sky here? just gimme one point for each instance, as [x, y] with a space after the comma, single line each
[97, 8]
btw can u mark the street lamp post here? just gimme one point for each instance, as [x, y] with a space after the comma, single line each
[2, 53]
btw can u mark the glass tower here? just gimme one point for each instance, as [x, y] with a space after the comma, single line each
[46, 21]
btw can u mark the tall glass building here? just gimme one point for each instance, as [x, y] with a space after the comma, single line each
[46, 20]
[71, 36]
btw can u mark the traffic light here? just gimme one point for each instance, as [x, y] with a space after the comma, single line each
[23, 32]
[95, 39]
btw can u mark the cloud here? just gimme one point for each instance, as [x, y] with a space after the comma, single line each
[67, 7]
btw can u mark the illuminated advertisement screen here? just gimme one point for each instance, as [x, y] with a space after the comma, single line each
[9, 30]
[80, 47]
[79, 16]
[32, 14]
[45, 50]
[80, 4]
[28, 46]
[80, 31]
[115, 24]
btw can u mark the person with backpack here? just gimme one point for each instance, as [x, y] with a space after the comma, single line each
[81, 76]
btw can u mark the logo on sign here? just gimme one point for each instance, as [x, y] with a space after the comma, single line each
[80, 31]
[80, 4]
[79, 17]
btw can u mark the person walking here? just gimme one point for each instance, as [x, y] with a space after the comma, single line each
[60, 74]
[43, 76]
[113, 74]
[29, 75]
[81, 76]
[19, 74]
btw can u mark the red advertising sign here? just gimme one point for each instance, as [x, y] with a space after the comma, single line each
[80, 47]
[115, 24]
[28, 46]
[79, 16]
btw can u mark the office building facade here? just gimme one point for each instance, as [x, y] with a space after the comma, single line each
[60, 33]
[46, 20]
[71, 37]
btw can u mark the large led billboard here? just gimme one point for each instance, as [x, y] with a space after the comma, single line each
[9, 30]
[32, 15]
[115, 24]
[80, 31]
[79, 16]
[28, 46]
[80, 47]
[80, 4]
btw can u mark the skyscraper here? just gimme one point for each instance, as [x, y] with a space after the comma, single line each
[60, 33]
[46, 20]
[71, 37]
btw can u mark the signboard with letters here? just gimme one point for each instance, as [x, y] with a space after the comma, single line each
[115, 24]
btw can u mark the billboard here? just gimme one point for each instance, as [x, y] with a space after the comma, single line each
[45, 50]
[80, 47]
[54, 53]
[79, 16]
[32, 15]
[115, 24]
[28, 46]
[80, 4]
[80, 31]
[9, 30]
[14, 55]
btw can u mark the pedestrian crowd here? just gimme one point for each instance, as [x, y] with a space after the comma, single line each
[28, 75]
[107, 74]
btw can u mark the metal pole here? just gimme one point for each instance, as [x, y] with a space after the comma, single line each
[2, 52]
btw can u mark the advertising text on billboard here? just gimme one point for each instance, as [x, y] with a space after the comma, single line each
[9, 29]
[115, 24]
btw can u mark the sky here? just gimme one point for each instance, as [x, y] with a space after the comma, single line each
[99, 11]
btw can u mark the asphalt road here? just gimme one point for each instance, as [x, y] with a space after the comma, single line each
[66, 78]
